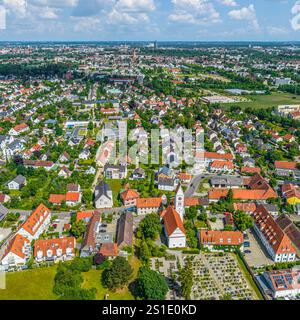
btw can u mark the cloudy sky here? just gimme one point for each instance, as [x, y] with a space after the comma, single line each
[201, 20]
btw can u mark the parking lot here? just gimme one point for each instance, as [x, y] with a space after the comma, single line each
[256, 255]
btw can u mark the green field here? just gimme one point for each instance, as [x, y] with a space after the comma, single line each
[34, 284]
[37, 284]
[266, 101]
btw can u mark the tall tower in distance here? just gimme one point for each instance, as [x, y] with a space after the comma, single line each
[155, 45]
[179, 201]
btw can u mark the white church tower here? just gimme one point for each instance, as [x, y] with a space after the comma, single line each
[179, 201]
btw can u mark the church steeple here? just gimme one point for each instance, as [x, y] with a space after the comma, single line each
[179, 201]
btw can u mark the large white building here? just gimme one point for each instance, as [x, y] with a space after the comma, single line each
[277, 243]
[37, 223]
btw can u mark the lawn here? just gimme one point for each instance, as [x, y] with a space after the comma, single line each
[37, 284]
[34, 284]
[266, 101]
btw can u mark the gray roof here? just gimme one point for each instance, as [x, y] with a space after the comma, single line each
[102, 189]
[166, 181]
[227, 180]
[125, 229]
[112, 167]
[3, 212]
[19, 179]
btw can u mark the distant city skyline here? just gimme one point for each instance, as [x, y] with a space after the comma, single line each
[162, 20]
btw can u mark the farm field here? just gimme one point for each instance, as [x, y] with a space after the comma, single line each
[266, 101]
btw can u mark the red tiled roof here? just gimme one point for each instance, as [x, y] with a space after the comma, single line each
[57, 198]
[16, 245]
[250, 170]
[276, 237]
[84, 214]
[221, 238]
[36, 219]
[172, 220]
[246, 207]
[219, 164]
[109, 249]
[149, 202]
[286, 165]
[243, 194]
[20, 127]
[129, 194]
[215, 155]
[54, 245]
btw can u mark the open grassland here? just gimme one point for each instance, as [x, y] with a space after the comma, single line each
[267, 101]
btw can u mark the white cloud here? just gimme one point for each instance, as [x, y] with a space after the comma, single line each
[246, 13]
[194, 11]
[295, 21]
[55, 3]
[229, 3]
[2, 18]
[272, 30]
[135, 5]
[16, 7]
[130, 12]
[48, 13]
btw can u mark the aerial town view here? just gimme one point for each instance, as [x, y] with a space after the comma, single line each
[149, 170]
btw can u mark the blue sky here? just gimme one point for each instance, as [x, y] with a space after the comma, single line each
[196, 20]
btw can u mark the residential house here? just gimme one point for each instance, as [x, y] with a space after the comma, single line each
[148, 205]
[103, 197]
[18, 129]
[115, 172]
[17, 183]
[138, 174]
[37, 223]
[287, 169]
[129, 197]
[17, 253]
[62, 249]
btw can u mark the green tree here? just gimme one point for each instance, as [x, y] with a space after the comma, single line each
[151, 285]
[186, 280]
[118, 274]
[78, 228]
[150, 227]
[243, 221]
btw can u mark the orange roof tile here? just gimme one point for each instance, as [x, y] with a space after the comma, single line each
[276, 237]
[54, 245]
[221, 238]
[149, 202]
[36, 219]
[172, 220]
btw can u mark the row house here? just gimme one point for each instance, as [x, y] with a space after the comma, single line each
[62, 249]
[37, 223]
[17, 253]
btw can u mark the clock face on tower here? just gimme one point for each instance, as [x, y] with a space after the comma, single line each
[180, 198]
